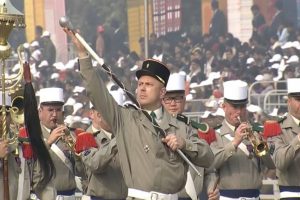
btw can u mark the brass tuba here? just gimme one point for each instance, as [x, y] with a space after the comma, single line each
[259, 145]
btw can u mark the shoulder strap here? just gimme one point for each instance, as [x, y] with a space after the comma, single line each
[281, 119]
[203, 127]
[218, 127]
[241, 146]
[62, 156]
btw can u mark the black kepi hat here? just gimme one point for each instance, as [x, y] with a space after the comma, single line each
[155, 69]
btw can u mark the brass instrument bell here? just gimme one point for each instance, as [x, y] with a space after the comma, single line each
[17, 114]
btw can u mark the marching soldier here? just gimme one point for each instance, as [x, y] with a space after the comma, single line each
[51, 117]
[102, 162]
[174, 102]
[150, 165]
[287, 144]
[238, 166]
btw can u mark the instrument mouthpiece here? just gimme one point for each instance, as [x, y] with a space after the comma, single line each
[64, 22]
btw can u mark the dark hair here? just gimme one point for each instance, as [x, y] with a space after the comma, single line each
[215, 4]
[254, 7]
[39, 29]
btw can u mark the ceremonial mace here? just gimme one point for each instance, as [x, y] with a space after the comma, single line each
[64, 22]
[10, 18]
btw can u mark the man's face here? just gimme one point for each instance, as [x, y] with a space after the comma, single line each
[232, 112]
[174, 102]
[150, 92]
[294, 106]
[51, 115]
[98, 122]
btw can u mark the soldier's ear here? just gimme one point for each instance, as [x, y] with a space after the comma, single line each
[163, 91]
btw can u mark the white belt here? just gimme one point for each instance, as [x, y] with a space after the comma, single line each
[62, 197]
[139, 194]
[240, 198]
[85, 197]
[287, 194]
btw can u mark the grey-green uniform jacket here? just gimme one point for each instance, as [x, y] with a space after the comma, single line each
[64, 178]
[46, 193]
[287, 154]
[204, 182]
[235, 168]
[147, 164]
[103, 169]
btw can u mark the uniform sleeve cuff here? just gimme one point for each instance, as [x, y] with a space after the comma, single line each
[85, 62]
[229, 150]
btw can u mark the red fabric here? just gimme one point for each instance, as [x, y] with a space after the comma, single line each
[209, 136]
[85, 141]
[23, 133]
[27, 151]
[26, 146]
[271, 128]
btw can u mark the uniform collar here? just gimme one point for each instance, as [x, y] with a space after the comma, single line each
[232, 128]
[47, 129]
[158, 112]
[297, 121]
[289, 123]
[225, 129]
[166, 120]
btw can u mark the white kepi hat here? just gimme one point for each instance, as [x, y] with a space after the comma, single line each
[293, 86]
[7, 99]
[176, 83]
[51, 95]
[236, 92]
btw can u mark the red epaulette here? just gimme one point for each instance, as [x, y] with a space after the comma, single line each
[85, 141]
[209, 136]
[271, 128]
[25, 144]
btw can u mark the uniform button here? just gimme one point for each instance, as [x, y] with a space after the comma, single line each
[146, 148]
[190, 148]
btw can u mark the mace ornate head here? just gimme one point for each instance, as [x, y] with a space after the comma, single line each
[10, 18]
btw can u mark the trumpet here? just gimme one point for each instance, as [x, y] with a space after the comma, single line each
[259, 145]
[69, 139]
